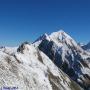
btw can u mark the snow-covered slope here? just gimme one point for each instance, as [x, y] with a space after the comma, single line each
[27, 68]
[8, 50]
[67, 55]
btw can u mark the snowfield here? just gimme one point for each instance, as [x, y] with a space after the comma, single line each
[28, 68]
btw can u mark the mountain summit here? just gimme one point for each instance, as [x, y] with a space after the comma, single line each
[60, 35]
[86, 47]
[57, 37]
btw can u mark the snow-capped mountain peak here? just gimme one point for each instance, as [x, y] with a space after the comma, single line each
[86, 47]
[60, 35]
[67, 54]
[59, 38]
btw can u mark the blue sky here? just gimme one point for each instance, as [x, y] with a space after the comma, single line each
[25, 20]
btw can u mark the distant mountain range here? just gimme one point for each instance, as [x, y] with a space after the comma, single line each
[86, 47]
[52, 62]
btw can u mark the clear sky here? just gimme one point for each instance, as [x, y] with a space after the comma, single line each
[25, 20]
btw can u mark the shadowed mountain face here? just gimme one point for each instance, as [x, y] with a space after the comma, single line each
[28, 68]
[67, 55]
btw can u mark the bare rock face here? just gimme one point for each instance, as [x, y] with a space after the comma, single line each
[64, 51]
[27, 68]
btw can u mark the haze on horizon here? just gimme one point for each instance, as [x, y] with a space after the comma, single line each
[26, 20]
